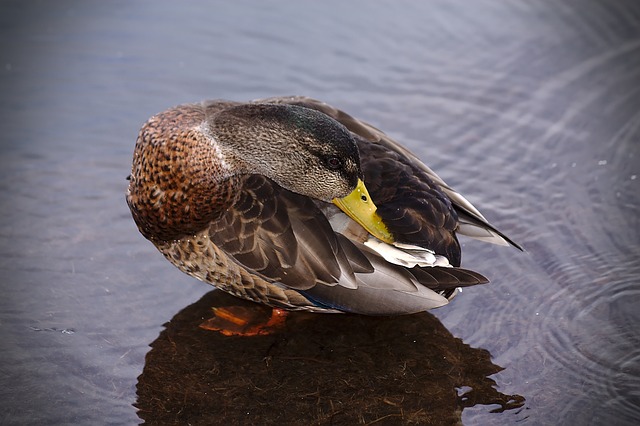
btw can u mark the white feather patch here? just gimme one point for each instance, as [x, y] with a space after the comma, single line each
[406, 254]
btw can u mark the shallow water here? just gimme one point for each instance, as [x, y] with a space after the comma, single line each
[529, 110]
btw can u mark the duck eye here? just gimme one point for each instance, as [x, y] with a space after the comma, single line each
[334, 163]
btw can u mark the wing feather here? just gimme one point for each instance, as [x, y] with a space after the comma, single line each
[299, 244]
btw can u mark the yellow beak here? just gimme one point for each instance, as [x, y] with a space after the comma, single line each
[359, 206]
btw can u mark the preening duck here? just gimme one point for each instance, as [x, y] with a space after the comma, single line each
[295, 204]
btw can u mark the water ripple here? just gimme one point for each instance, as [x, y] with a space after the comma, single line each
[590, 332]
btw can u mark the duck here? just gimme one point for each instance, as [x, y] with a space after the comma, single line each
[295, 204]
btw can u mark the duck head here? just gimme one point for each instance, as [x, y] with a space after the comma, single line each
[303, 150]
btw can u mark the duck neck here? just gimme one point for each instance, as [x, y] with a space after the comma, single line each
[245, 146]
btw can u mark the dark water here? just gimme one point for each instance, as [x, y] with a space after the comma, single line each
[532, 111]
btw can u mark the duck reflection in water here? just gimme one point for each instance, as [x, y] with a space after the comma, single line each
[320, 369]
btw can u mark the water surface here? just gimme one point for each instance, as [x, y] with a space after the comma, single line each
[529, 110]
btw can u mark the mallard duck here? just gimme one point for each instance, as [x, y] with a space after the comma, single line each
[295, 204]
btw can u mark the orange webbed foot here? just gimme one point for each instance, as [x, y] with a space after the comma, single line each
[245, 321]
